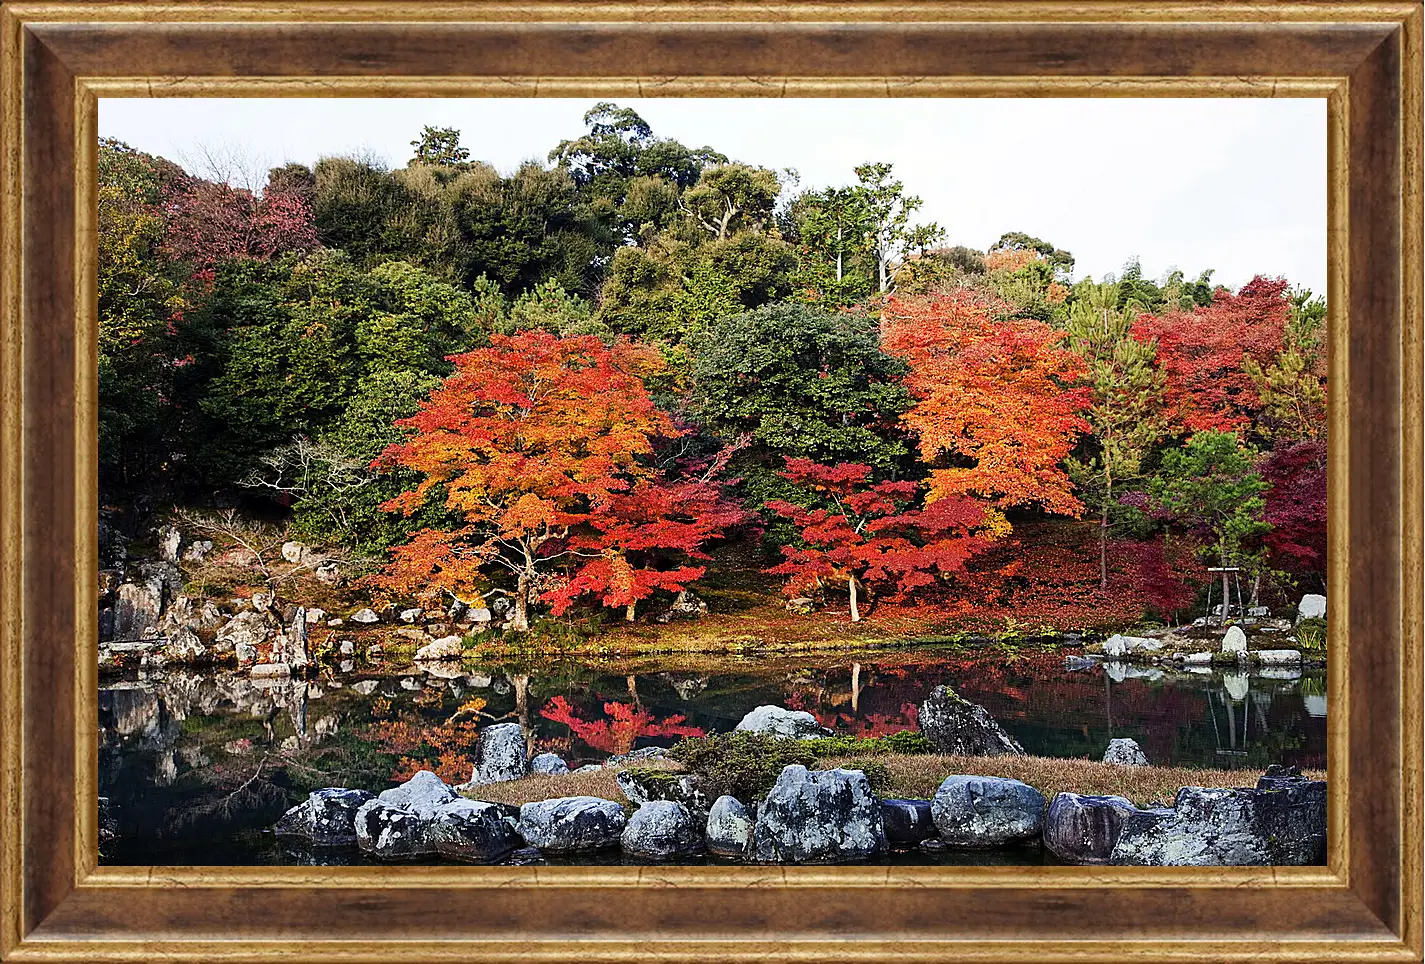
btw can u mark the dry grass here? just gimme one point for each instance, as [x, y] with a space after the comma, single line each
[918, 777]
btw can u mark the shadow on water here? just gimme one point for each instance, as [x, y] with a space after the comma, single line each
[196, 766]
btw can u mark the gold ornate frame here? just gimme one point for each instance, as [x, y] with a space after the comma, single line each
[58, 57]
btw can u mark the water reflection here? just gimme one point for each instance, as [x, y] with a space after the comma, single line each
[195, 765]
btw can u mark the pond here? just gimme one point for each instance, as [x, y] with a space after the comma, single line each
[196, 766]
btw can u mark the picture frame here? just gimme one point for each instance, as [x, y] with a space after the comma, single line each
[60, 57]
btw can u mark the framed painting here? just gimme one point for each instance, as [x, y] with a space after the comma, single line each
[789, 576]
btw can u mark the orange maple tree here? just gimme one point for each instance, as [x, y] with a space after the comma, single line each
[997, 405]
[529, 440]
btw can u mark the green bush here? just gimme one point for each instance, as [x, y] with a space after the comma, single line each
[903, 741]
[878, 775]
[740, 763]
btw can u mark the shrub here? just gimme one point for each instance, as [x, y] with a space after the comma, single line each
[903, 741]
[740, 763]
[1311, 633]
[878, 773]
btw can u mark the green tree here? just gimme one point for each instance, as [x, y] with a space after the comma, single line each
[548, 307]
[294, 343]
[1126, 416]
[888, 209]
[1292, 388]
[619, 145]
[830, 228]
[730, 198]
[139, 297]
[439, 147]
[1061, 261]
[802, 382]
[1211, 487]
[673, 289]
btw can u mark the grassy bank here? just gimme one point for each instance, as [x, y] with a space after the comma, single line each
[917, 776]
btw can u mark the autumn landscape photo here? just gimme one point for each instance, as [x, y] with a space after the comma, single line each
[712, 482]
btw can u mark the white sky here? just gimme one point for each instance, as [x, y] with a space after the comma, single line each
[1238, 185]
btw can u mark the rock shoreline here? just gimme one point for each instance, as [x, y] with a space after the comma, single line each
[820, 816]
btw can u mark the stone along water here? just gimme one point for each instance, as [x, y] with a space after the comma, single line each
[196, 767]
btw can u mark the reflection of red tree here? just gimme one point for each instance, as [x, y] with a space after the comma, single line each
[625, 724]
[872, 724]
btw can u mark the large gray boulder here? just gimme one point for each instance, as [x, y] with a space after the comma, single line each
[183, 646]
[642, 784]
[423, 794]
[572, 824]
[472, 830]
[424, 816]
[243, 634]
[1082, 829]
[779, 721]
[1234, 640]
[136, 610]
[686, 605]
[957, 726]
[1118, 645]
[1276, 657]
[548, 763]
[1282, 824]
[447, 647]
[391, 832]
[185, 612]
[907, 822]
[729, 828]
[327, 818]
[1125, 752]
[500, 754]
[662, 830]
[972, 811]
[823, 816]
[170, 540]
[291, 647]
[1312, 606]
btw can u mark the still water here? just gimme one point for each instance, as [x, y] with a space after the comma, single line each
[195, 766]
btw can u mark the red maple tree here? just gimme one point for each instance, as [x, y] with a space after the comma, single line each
[869, 536]
[636, 533]
[1296, 507]
[997, 401]
[1201, 353]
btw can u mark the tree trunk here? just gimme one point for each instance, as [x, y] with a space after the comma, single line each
[855, 612]
[629, 611]
[1226, 581]
[838, 253]
[520, 682]
[1103, 548]
[521, 620]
